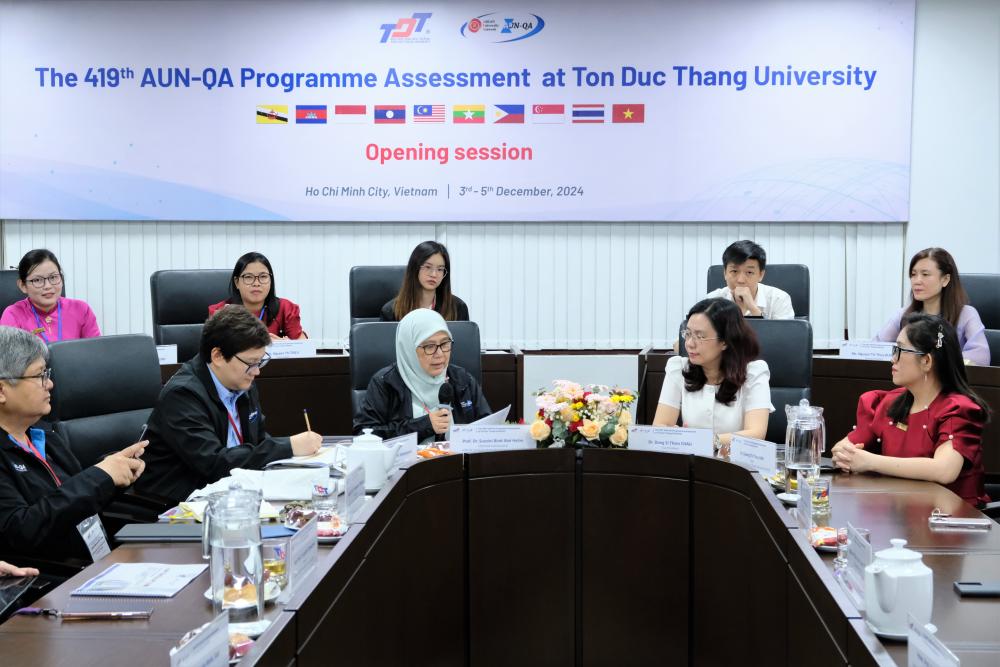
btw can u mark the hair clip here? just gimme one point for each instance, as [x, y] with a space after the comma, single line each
[940, 338]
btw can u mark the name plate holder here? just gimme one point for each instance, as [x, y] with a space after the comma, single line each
[924, 649]
[759, 455]
[804, 506]
[209, 648]
[671, 440]
[354, 492]
[468, 438]
[859, 556]
[292, 349]
[407, 453]
[167, 354]
[303, 554]
[867, 350]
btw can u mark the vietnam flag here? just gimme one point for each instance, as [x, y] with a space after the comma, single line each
[628, 113]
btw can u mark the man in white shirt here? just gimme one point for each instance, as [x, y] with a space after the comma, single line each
[743, 265]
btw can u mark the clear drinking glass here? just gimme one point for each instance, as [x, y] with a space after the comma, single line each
[275, 554]
[324, 499]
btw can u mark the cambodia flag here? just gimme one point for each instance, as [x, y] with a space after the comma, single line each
[310, 114]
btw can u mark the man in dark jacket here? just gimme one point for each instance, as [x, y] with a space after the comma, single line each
[208, 419]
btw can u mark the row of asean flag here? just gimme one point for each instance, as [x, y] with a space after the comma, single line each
[461, 114]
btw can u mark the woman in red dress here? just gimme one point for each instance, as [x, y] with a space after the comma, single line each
[931, 426]
[253, 288]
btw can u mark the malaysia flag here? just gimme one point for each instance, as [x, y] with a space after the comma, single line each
[428, 113]
[310, 114]
[588, 113]
[548, 113]
[628, 113]
[390, 114]
[350, 113]
[508, 113]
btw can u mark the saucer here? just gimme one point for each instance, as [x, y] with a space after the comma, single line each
[789, 498]
[886, 635]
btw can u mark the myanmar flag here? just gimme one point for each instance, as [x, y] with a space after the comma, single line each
[628, 113]
[468, 113]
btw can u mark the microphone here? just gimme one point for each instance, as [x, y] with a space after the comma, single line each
[446, 394]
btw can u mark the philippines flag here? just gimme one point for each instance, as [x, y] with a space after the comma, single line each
[428, 113]
[310, 114]
[508, 113]
[548, 113]
[390, 114]
[350, 113]
[588, 113]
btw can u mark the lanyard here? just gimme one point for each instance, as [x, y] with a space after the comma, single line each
[263, 311]
[38, 320]
[30, 447]
[236, 428]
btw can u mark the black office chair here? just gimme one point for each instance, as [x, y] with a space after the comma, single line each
[9, 291]
[792, 278]
[180, 301]
[993, 341]
[373, 347]
[103, 392]
[370, 288]
[787, 347]
[984, 295]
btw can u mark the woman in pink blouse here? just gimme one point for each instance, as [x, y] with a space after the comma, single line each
[44, 312]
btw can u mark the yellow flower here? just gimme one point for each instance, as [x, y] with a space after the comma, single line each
[577, 405]
[624, 418]
[576, 417]
[619, 437]
[566, 414]
[590, 430]
[540, 430]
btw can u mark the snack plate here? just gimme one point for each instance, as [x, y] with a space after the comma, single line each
[271, 592]
[323, 539]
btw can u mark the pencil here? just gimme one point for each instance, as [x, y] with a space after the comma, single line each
[305, 413]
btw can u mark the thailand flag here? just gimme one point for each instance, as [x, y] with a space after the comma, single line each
[588, 113]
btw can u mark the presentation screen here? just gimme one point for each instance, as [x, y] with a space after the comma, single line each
[665, 110]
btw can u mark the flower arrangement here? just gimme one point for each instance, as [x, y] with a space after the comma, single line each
[575, 415]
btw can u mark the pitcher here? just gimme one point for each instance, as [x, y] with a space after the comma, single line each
[805, 440]
[236, 565]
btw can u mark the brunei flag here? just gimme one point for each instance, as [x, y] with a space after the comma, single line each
[310, 114]
[463, 114]
[272, 114]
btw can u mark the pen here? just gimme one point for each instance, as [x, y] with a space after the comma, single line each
[86, 615]
[305, 413]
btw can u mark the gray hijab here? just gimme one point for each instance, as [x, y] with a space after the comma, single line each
[414, 329]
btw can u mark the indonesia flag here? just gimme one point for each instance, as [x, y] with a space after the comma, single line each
[350, 113]
[548, 113]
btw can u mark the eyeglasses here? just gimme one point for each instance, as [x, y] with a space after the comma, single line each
[257, 364]
[38, 282]
[250, 278]
[687, 334]
[896, 349]
[44, 376]
[434, 270]
[430, 349]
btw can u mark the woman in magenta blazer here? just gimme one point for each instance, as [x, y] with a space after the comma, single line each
[44, 312]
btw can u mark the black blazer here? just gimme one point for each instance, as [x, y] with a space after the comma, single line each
[388, 406]
[188, 431]
[38, 518]
[388, 313]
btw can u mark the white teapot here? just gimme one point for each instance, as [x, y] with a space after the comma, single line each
[898, 583]
[367, 450]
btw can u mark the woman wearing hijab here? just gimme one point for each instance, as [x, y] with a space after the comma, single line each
[404, 397]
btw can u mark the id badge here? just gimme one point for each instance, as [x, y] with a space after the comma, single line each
[92, 532]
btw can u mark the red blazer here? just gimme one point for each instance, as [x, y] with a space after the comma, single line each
[950, 418]
[287, 323]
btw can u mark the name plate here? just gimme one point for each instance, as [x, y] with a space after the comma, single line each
[303, 553]
[209, 648]
[490, 438]
[354, 491]
[925, 649]
[759, 455]
[167, 354]
[292, 349]
[804, 508]
[671, 440]
[870, 350]
[407, 452]
[859, 556]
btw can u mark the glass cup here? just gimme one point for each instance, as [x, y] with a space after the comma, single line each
[820, 487]
[324, 499]
[840, 562]
[275, 555]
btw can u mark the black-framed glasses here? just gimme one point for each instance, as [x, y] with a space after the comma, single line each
[251, 278]
[38, 282]
[896, 349]
[257, 364]
[434, 270]
[44, 376]
[687, 334]
[430, 349]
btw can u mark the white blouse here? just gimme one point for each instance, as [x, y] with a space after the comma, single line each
[699, 409]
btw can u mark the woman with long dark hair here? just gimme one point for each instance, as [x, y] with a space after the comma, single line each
[931, 426]
[44, 312]
[936, 289]
[426, 284]
[721, 385]
[253, 288]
